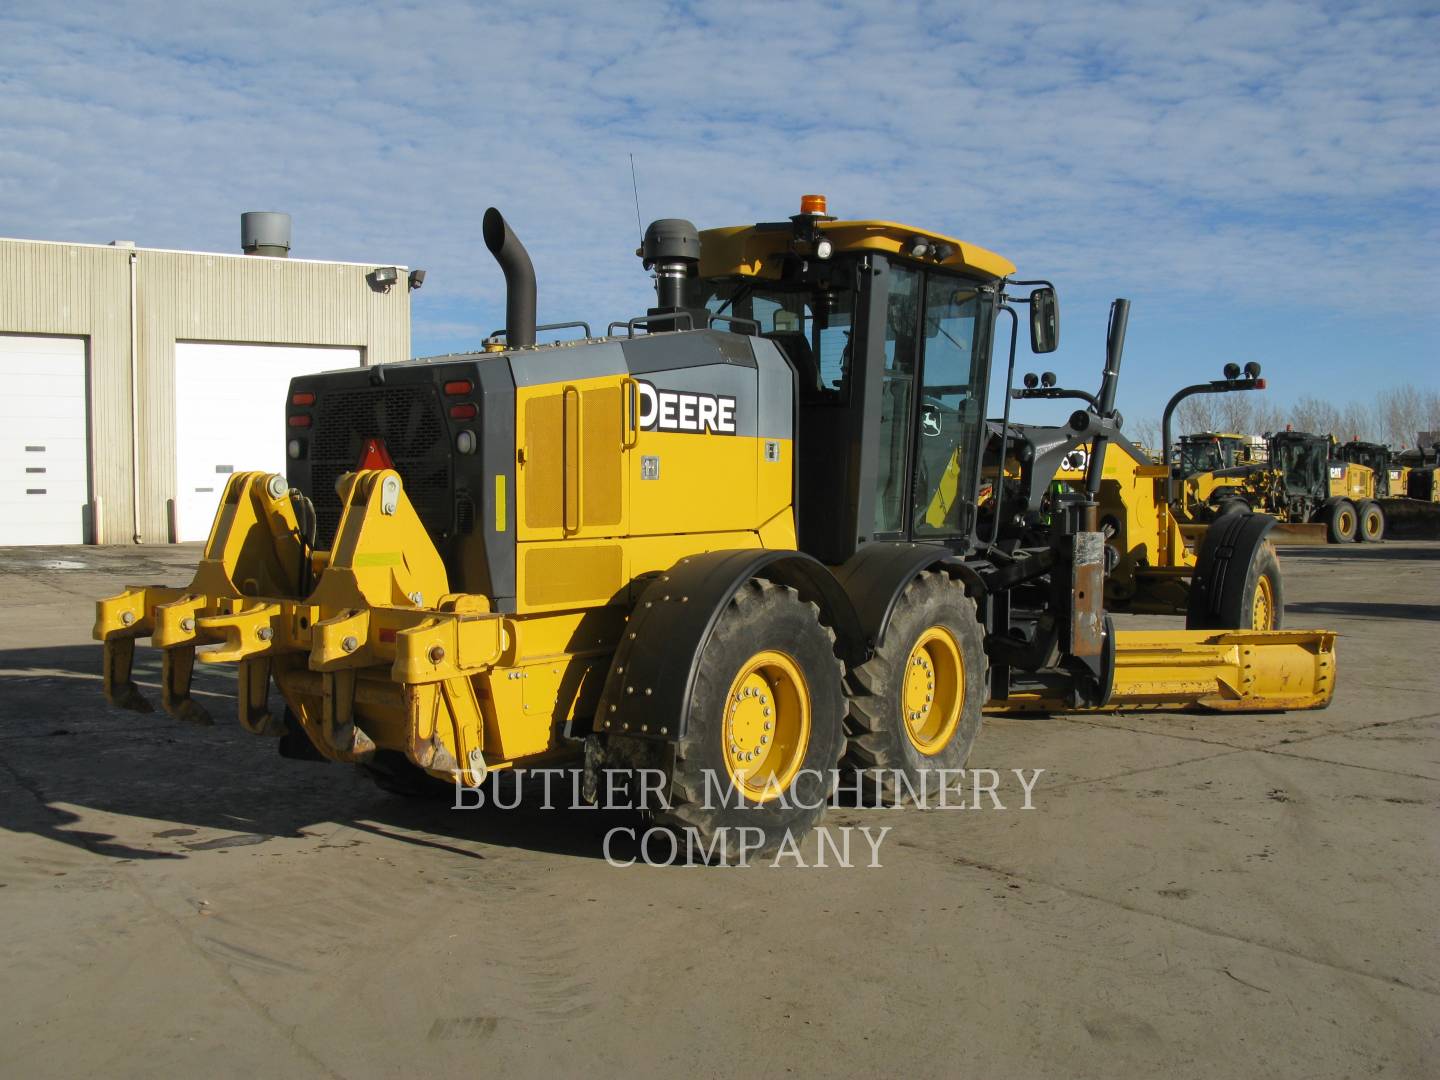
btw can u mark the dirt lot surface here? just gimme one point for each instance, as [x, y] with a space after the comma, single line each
[1246, 896]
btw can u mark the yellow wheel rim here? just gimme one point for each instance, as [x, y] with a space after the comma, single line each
[767, 726]
[1347, 523]
[932, 691]
[1262, 615]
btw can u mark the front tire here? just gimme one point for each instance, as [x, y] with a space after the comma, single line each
[1372, 522]
[1253, 600]
[765, 734]
[915, 706]
[1232, 506]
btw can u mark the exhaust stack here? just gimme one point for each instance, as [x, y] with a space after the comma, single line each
[264, 232]
[519, 274]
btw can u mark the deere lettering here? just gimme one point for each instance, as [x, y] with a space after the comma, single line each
[686, 410]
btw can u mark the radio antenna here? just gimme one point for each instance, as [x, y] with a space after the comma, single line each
[635, 186]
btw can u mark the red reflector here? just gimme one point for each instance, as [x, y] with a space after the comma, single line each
[300, 421]
[459, 387]
[302, 398]
[463, 412]
[387, 635]
[1259, 384]
[375, 456]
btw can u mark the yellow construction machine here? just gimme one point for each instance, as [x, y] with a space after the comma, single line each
[738, 540]
[1410, 498]
[1317, 495]
[1154, 564]
[1211, 451]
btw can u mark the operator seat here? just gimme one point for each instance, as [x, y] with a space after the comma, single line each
[796, 347]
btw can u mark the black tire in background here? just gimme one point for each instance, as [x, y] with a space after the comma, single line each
[1371, 529]
[1234, 505]
[881, 744]
[1340, 520]
[394, 774]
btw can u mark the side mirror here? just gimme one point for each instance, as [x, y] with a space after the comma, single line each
[1044, 321]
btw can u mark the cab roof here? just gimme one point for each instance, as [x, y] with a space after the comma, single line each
[760, 250]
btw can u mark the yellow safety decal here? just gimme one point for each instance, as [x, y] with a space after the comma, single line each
[500, 502]
[377, 558]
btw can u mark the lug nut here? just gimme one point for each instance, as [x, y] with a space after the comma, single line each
[187, 625]
[437, 653]
[127, 618]
[265, 633]
[349, 644]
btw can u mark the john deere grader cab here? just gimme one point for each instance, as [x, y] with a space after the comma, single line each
[737, 540]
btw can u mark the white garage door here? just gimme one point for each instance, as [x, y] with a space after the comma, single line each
[43, 440]
[230, 417]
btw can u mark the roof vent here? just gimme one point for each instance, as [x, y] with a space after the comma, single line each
[264, 232]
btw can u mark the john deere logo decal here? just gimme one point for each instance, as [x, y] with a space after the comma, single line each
[686, 410]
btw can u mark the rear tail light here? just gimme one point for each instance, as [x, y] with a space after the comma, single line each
[299, 421]
[458, 387]
[305, 397]
[463, 412]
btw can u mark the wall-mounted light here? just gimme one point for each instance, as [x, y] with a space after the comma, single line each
[417, 278]
[383, 277]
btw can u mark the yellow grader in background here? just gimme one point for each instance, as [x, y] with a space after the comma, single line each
[1211, 451]
[738, 540]
[1318, 497]
[1408, 486]
[1221, 577]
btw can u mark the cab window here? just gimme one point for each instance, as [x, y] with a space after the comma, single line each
[950, 409]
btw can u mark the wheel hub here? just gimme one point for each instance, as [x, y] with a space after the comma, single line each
[766, 730]
[932, 693]
[1262, 615]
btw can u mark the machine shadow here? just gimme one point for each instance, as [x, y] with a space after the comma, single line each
[1360, 610]
[64, 747]
[1362, 551]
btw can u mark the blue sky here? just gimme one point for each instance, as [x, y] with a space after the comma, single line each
[1259, 179]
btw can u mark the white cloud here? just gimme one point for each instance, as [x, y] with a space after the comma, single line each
[1114, 148]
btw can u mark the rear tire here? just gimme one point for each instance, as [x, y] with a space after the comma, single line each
[915, 706]
[1372, 522]
[1232, 506]
[1340, 520]
[765, 733]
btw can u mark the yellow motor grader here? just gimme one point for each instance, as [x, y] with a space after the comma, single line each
[1226, 576]
[1318, 496]
[738, 540]
[1410, 495]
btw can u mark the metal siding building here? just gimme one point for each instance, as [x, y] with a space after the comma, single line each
[93, 292]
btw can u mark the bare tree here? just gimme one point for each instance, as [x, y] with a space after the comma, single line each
[1314, 415]
[1197, 413]
[1145, 431]
[1401, 413]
